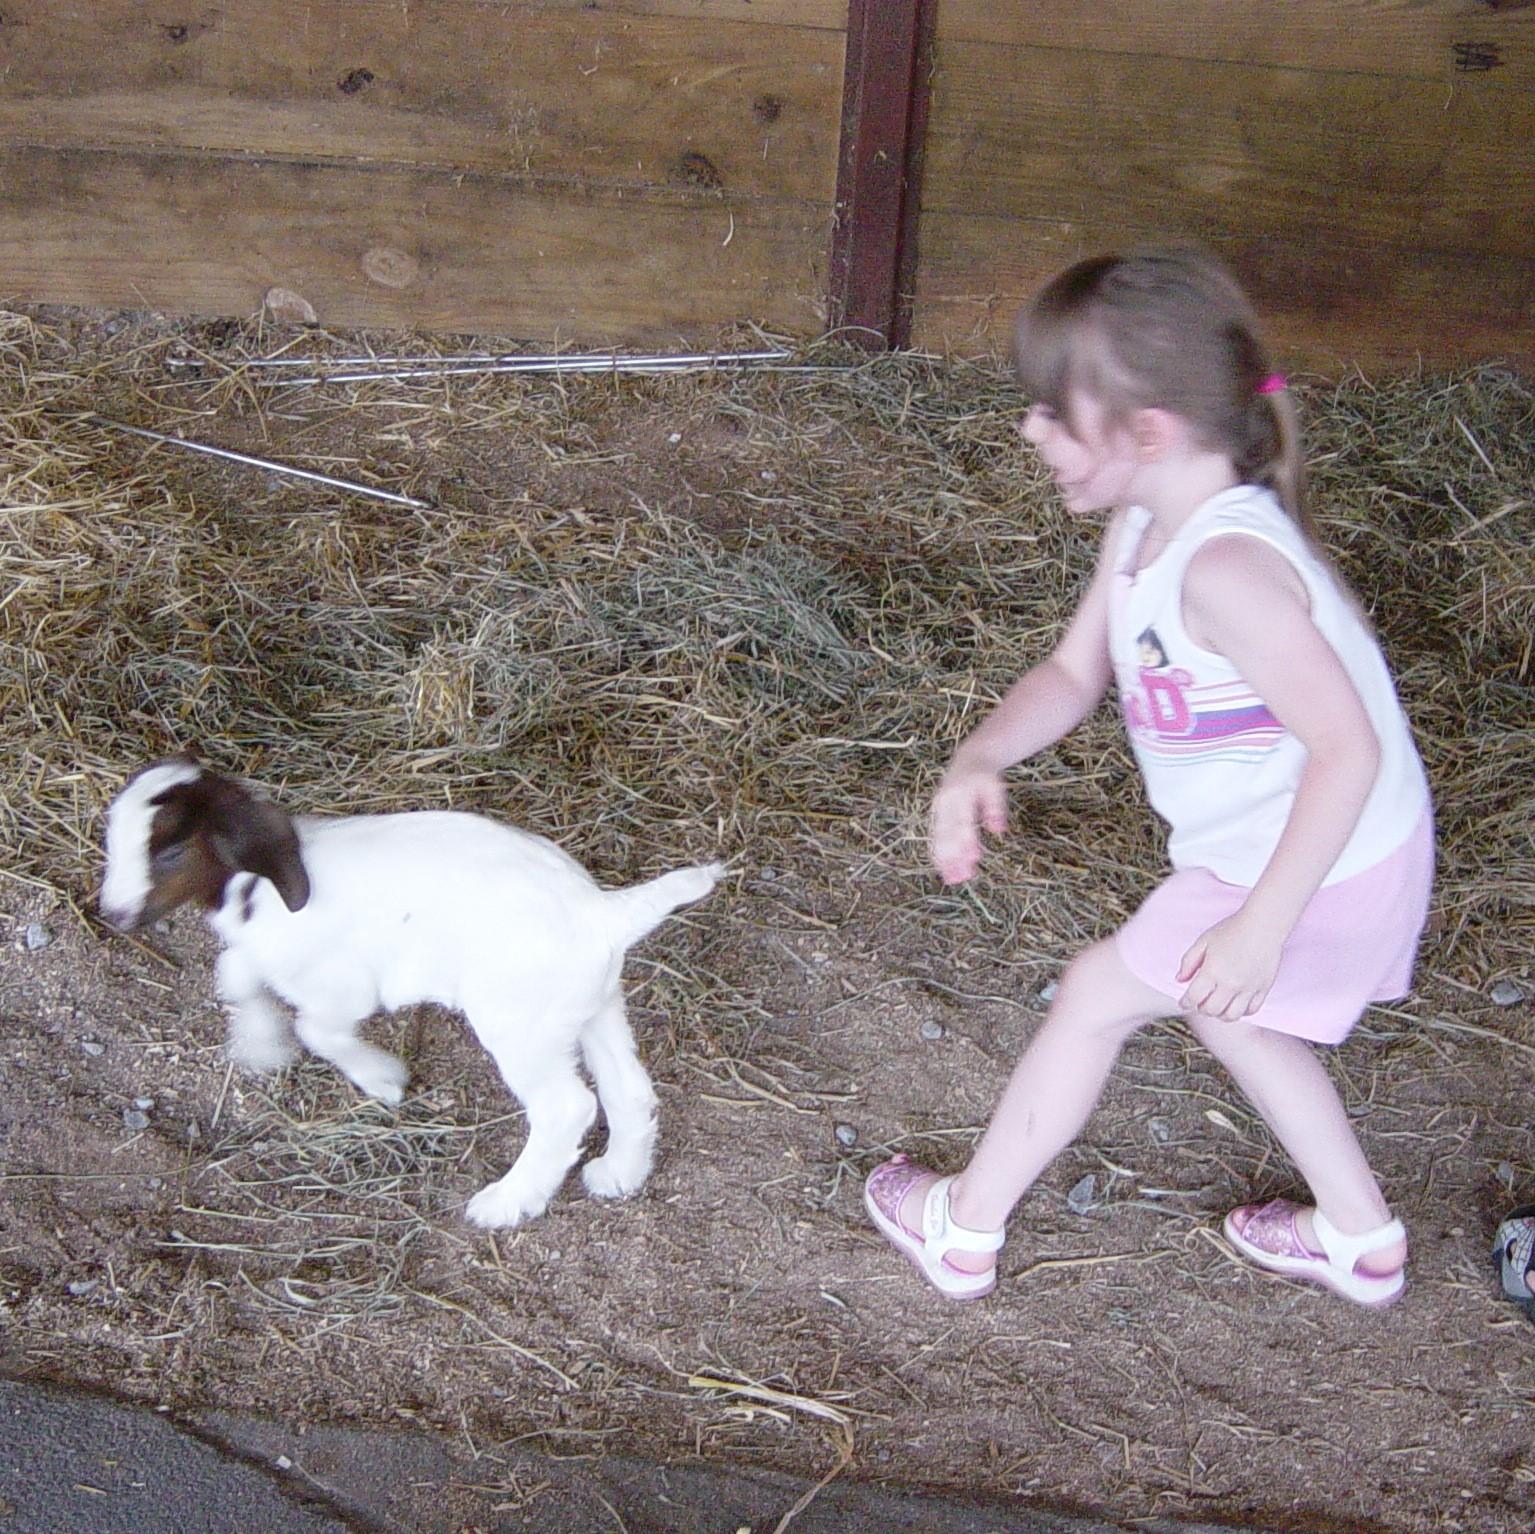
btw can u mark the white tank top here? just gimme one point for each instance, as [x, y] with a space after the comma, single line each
[1219, 768]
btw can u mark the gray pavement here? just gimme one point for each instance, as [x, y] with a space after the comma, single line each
[73, 1463]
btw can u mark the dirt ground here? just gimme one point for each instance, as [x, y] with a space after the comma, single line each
[186, 1235]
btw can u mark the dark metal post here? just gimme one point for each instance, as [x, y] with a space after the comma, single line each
[884, 120]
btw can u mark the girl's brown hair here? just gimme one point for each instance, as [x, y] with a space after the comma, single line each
[1166, 329]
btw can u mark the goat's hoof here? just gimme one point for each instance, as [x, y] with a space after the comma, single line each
[265, 1059]
[494, 1208]
[384, 1079]
[605, 1178]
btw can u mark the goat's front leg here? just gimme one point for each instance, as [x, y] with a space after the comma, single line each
[332, 1035]
[560, 1109]
[260, 1038]
[628, 1103]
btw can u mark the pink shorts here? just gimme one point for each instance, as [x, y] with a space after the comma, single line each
[1354, 944]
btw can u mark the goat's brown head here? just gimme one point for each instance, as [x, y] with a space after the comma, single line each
[178, 832]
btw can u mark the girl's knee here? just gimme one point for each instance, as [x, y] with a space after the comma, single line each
[1098, 964]
[1098, 994]
[1233, 1040]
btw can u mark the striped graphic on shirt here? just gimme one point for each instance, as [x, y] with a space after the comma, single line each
[1175, 721]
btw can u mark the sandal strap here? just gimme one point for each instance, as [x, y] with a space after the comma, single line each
[941, 1235]
[894, 1180]
[1344, 1251]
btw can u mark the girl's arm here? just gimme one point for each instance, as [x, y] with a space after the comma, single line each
[1245, 600]
[1045, 703]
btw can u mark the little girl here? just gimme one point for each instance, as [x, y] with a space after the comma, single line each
[1271, 740]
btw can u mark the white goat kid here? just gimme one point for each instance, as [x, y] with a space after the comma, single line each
[341, 917]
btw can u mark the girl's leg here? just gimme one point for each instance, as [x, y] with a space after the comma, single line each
[1286, 1082]
[1053, 1089]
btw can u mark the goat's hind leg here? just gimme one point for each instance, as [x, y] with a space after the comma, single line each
[333, 1036]
[560, 1109]
[628, 1102]
[260, 1037]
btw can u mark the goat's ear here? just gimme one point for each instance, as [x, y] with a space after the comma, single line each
[252, 835]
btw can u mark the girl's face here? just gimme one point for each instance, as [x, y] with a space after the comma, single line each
[1094, 467]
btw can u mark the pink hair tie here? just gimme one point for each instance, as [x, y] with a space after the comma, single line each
[1275, 383]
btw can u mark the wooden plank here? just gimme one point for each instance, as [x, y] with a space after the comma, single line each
[395, 247]
[1327, 307]
[1390, 37]
[828, 14]
[707, 107]
[884, 117]
[1274, 153]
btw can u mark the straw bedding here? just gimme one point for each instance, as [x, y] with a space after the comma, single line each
[739, 614]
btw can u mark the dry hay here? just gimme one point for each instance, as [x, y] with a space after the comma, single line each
[662, 619]
[778, 679]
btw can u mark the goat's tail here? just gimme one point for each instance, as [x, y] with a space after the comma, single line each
[643, 907]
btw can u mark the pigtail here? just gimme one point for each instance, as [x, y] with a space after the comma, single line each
[1269, 451]
[1277, 458]
[1289, 468]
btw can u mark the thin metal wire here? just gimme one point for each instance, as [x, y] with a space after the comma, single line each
[261, 463]
[434, 368]
[553, 361]
[405, 375]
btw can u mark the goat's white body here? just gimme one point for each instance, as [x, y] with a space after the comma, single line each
[480, 917]
[428, 907]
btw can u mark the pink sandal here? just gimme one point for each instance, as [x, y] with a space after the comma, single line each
[1266, 1234]
[929, 1247]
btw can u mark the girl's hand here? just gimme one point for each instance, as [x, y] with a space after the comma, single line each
[1229, 969]
[966, 801]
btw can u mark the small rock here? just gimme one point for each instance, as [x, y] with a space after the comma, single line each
[37, 936]
[92, 1048]
[283, 1462]
[144, 1104]
[1080, 1199]
[1506, 1173]
[83, 1286]
[769, 476]
[932, 1031]
[156, 1182]
[767, 873]
[288, 308]
[846, 1135]
[1047, 991]
[134, 1120]
[1160, 1130]
[1506, 994]
[193, 1132]
[674, 438]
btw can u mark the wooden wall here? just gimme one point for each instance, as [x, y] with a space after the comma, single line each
[1367, 165]
[646, 171]
[640, 170]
